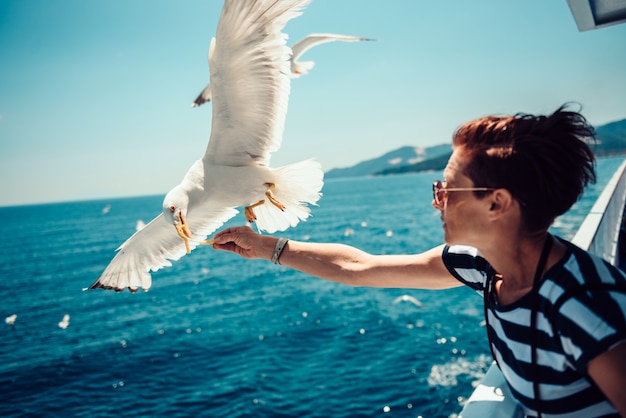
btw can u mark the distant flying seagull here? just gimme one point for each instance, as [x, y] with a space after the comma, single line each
[140, 225]
[249, 67]
[298, 68]
[65, 322]
[10, 320]
[408, 298]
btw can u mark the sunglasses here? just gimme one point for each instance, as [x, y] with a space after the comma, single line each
[439, 190]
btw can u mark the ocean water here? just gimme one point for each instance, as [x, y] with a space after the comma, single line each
[219, 336]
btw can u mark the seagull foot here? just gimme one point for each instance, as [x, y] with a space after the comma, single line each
[249, 211]
[273, 199]
[182, 229]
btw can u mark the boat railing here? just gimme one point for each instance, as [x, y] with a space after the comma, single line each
[599, 232]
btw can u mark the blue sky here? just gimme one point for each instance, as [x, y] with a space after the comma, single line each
[95, 95]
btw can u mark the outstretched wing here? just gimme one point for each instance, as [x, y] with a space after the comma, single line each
[314, 39]
[250, 81]
[153, 247]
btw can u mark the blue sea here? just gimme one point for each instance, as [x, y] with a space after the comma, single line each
[220, 336]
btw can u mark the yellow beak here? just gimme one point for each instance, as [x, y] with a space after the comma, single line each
[183, 230]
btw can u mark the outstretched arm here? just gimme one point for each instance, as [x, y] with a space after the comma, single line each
[343, 263]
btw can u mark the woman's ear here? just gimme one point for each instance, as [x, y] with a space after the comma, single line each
[501, 202]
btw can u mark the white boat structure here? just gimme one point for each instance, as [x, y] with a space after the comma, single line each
[599, 233]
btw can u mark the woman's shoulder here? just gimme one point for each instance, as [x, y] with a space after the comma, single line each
[466, 264]
[580, 271]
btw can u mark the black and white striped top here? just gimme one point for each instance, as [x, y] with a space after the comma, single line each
[581, 314]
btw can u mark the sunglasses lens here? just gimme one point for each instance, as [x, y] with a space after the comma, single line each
[438, 191]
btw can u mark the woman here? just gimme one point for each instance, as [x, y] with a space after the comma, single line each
[556, 315]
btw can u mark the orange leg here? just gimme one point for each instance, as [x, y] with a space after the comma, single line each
[271, 197]
[249, 211]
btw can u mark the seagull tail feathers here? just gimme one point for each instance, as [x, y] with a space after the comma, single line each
[297, 186]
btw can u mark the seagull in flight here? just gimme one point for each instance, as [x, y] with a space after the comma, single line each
[65, 322]
[10, 320]
[249, 67]
[298, 68]
[408, 298]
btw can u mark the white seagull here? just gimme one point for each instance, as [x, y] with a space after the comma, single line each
[65, 322]
[139, 225]
[10, 320]
[408, 298]
[298, 68]
[249, 67]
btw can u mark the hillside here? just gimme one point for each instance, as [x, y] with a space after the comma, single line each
[433, 164]
[611, 138]
[611, 141]
[405, 156]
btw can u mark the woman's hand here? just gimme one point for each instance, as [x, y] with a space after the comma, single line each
[244, 241]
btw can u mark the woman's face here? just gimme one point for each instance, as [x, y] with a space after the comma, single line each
[462, 213]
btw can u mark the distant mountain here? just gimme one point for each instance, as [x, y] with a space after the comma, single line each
[433, 164]
[611, 138]
[400, 157]
[611, 141]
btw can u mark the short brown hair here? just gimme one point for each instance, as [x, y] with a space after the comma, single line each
[544, 161]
